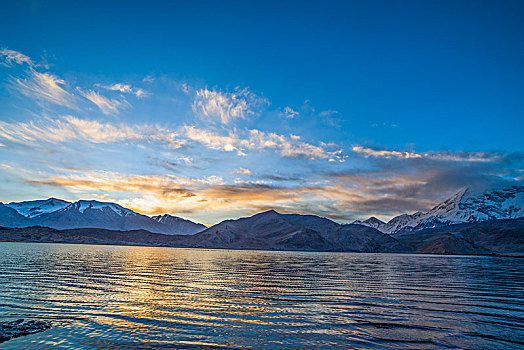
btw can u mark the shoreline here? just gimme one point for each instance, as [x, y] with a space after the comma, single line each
[131, 244]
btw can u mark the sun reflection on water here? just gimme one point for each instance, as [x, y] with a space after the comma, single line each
[126, 297]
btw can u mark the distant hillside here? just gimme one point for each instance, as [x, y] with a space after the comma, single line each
[271, 230]
[490, 237]
[87, 236]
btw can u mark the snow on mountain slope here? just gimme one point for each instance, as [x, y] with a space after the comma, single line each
[178, 224]
[31, 209]
[60, 214]
[10, 217]
[164, 218]
[82, 205]
[465, 206]
[371, 222]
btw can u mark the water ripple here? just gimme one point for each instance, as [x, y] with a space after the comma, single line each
[100, 297]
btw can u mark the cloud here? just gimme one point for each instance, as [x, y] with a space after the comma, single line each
[380, 182]
[331, 118]
[288, 146]
[223, 107]
[155, 194]
[281, 178]
[243, 171]
[45, 87]
[212, 140]
[11, 57]
[106, 105]
[390, 186]
[105, 181]
[442, 156]
[148, 79]
[290, 112]
[71, 129]
[126, 89]
[383, 189]
[160, 194]
[460, 156]
[368, 152]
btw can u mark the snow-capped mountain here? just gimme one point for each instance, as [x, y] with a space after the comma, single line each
[371, 222]
[31, 209]
[179, 224]
[83, 205]
[60, 214]
[10, 217]
[465, 206]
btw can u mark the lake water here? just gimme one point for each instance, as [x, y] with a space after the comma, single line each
[117, 297]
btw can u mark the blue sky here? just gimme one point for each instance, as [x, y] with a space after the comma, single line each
[213, 110]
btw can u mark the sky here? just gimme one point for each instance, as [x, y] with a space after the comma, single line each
[217, 110]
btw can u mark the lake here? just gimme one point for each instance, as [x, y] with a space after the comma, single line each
[122, 297]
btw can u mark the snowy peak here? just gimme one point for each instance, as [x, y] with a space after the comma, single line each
[451, 209]
[35, 208]
[60, 214]
[165, 218]
[465, 206]
[83, 205]
[371, 222]
[31, 209]
[178, 224]
[506, 203]
[468, 205]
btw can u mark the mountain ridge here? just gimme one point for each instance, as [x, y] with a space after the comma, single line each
[466, 205]
[61, 214]
[273, 230]
[492, 237]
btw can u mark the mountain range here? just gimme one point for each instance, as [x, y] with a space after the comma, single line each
[60, 214]
[465, 206]
[469, 222]
[272, 230]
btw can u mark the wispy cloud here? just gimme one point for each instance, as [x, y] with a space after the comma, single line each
[369, 152]
[288, 146]
[126, 89]
[224, 107]
[106, 105]
[155, 194]
[351, 194]
[71, 129]
[45, 88]
[289, 112]
[228, 143]
[158, 194]
[331, 117]
[148, 79]
[11, 57]
[443, 156]
[243, 171]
